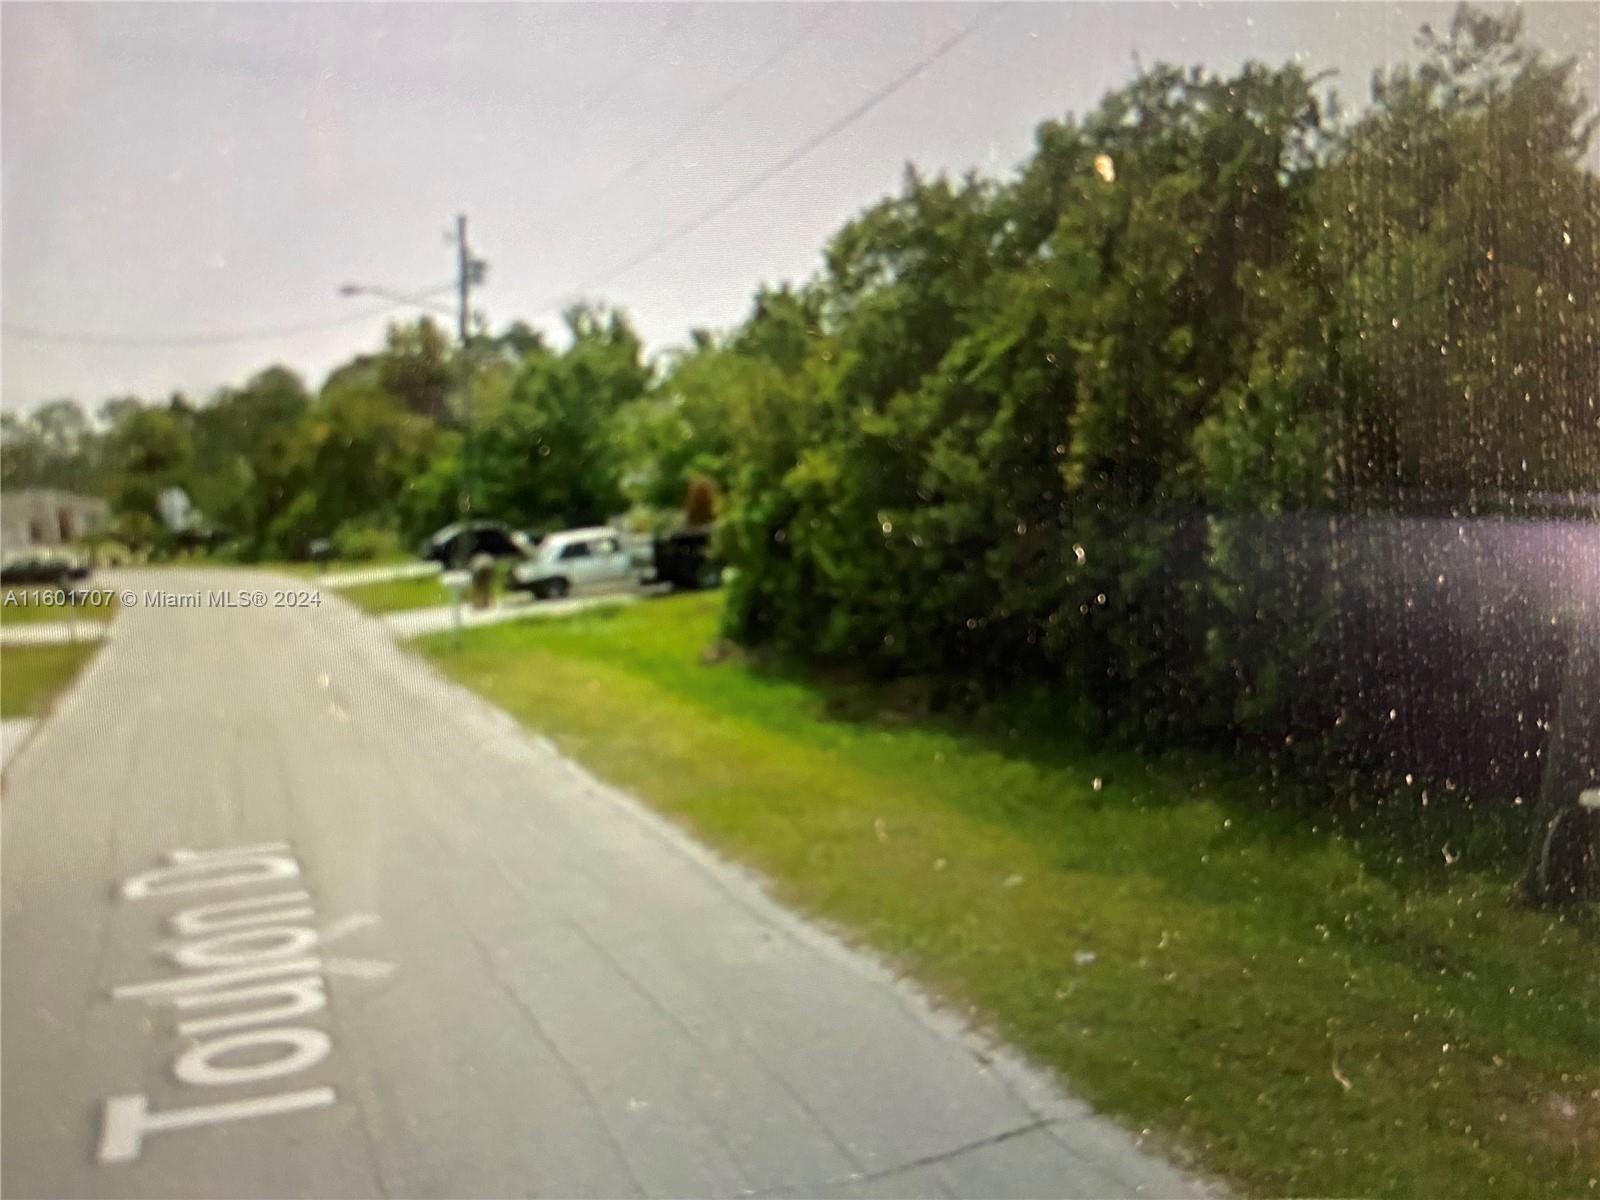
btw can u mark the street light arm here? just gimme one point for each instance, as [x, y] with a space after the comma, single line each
[413, 300]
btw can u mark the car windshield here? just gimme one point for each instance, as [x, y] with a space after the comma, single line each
[1066, 659]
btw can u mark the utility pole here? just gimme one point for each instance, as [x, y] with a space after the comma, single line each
[468, 272]
[464, 280]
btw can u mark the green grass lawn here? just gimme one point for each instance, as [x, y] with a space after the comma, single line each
[311, 570]
[300, 570]
[297, 568]
[397, 594]
[1288, 1003]
[27, 605]
[31, 676]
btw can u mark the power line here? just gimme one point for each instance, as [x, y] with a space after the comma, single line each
[705, 112]
[677, 234]
[215, 338]
[608, 90]
[102, 338]
[812, 143]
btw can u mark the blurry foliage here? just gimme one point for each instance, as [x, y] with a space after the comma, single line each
[416, 369]
[544, 447]
[357, 542]
[377, 458]
[1033, 429]
[1022, 431]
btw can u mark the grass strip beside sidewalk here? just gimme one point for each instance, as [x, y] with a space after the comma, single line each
[1303, 1011]
[32, 676]
[32, 604]
[397, 595]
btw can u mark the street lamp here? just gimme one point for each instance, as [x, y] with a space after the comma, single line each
[414, 299]
[471, 271]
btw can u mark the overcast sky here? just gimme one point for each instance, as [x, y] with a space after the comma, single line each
[186, 173]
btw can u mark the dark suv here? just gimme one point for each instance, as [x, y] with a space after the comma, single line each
[455, 544]
[57, 570]
[685, 559]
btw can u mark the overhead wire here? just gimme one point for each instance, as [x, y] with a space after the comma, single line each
[604, 94]
[795, 155]
[216, 337]
[705, 112]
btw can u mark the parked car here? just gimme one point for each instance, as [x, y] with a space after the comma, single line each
[685, 560]
[576, 559]
[455, 544]
[35, 567]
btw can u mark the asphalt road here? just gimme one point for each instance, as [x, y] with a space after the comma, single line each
[286, 914]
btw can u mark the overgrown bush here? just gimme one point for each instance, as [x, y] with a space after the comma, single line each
[1118, 427]
[358, 542]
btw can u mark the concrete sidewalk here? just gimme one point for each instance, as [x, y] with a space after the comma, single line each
[14, 731]
[53, 633]
[418, 622]
[384, 574]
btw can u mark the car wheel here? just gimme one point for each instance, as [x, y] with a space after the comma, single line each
[551, 589]
[709, 576]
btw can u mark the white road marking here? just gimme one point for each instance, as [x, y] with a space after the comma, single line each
[178, 985]
[251, 958]
[192, 873]
[306, 1048]
[358, 968]
[296, 997]
[346, 925]
[128, 1118]
[210, 918]
[177, 857]
[244, 947]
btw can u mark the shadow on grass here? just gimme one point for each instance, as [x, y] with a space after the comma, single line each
[1417, 839]
[1412, 836]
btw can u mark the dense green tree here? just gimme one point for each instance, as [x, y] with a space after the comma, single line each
[987, 391]
[546, 452]
[416, 368]
[54, 446]
[696, 422]
[244, 441]
[148, 450]
[1031, 429]
[1460, 245]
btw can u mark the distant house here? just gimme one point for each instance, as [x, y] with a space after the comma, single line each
[45, 517]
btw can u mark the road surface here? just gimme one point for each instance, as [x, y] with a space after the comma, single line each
[286, 914]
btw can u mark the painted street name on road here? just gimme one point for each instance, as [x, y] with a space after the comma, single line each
[251, 958]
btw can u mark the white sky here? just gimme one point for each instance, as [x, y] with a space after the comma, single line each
[181, 170]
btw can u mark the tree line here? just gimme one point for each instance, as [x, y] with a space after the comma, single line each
[378, 456]
[1044, 432]
[1017, 429]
